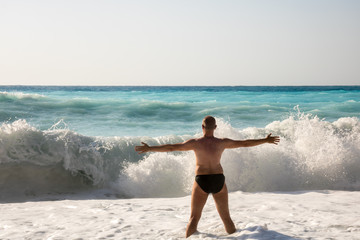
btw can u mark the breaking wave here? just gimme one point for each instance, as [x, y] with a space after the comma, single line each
[313, 154]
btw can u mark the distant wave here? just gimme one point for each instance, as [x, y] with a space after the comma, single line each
[313, 154]
[19, 95]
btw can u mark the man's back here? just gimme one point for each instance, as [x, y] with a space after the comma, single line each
[208, 151]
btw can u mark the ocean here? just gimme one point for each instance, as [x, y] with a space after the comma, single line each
[68, 139]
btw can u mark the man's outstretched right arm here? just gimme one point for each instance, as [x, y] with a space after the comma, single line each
[229, 143]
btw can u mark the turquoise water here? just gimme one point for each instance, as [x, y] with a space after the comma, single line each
[68, 139]
[158, 111]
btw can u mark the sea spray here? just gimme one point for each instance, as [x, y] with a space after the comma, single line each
[313, 154]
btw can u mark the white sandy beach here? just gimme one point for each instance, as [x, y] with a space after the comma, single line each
[293, 215]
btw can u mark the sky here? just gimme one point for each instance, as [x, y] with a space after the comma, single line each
[180, 42]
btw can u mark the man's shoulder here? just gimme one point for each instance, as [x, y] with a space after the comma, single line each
[192, 140]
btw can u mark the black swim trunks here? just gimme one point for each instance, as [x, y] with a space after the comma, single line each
[211, 183]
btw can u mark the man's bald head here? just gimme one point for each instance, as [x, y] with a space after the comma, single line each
[209, 123]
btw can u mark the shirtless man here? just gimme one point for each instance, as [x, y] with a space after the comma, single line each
[209, 173]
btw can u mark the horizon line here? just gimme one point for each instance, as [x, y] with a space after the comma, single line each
[51, 85]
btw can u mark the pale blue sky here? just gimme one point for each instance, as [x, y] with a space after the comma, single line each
[183, 42]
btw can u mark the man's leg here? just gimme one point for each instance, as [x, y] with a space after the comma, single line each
[198, 200]
[221, 201]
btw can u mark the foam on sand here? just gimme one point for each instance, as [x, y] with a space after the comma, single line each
[296, 215]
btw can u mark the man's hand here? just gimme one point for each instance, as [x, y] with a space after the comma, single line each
[142, 149]
[274, 140]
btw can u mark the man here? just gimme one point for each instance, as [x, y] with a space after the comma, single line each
[209, 173]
